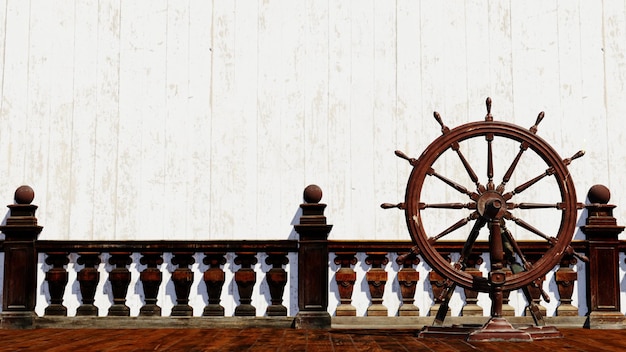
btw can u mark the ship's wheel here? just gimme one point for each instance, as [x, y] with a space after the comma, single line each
[490, 204]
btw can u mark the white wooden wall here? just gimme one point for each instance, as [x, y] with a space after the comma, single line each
[194, 119]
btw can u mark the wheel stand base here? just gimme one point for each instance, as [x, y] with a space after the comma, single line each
[496, 329]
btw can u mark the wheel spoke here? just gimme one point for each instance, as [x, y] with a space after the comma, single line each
[559, 205]
[458, 187]
[469, 244]
[448, 206]
[508, 238]
[509, 172]
[489, 138]
[453, 228]
[521, 188]
[530, 228]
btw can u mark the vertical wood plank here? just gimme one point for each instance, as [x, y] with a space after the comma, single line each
[107, 119]
[14, 90]
[223, 109]
[384, 114]
[178, 122]
[83, 131]
[338, 188]
[615, 88]
[362, 118]
[242, 146]
[200, 65]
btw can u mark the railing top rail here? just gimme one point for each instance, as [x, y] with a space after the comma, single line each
[168, 246]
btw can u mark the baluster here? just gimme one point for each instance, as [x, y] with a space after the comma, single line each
[437, 284]
[214, 279]
[565, 278]
[376, 279]
[182, 278]
[507, 309]
[536, 288]
[245, 278]
[120, 279]
[276, 279]
[57, 278]
[88, 277]
[345, 277]
[408, 278]
[151, 278]
[471, 307]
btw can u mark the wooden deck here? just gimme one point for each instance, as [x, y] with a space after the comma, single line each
[268, 339]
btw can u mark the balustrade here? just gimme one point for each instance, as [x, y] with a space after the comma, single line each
[228, 269]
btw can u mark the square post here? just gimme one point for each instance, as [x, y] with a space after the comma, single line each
[20, 262]
[313, 263]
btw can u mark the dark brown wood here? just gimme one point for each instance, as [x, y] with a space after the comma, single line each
[603, 284]
[168, 246]
[423, 167]
[20, 261]
[182, 278]
[265, 339]
[345, 278]
[437, 285]
[312, 262]
[565, 278]
[151, 278]
[88, 277]
[57, 278]
[408, 278]
[376, 278]
[245, 278]
[276, 279]
[119, 277]
[471, 307]
[214, 278]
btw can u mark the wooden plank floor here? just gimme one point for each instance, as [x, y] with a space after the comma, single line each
[267, 339]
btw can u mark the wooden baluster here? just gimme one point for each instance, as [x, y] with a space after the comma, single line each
[276, 280]
[408, 278]
[345, 277]
[245, 278]
[88, 277]
[183, 279]
[471, 307]
[57, 278]
[437, 284]
[20, 261]
[565, 278]
[214, 278]
[151, 278]
[507, 309]
[120, 279]
[376, 279]
[535, 288]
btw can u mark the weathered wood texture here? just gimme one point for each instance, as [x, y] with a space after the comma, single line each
[204, 119]
[265, 339]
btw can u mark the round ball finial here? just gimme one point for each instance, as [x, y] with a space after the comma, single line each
[312, 194]
[599, 194]
[24, 195]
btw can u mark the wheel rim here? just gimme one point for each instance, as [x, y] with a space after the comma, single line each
[422, 168]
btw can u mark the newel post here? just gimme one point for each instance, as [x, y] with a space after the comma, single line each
[313, 263]
[603, 284]
[20, 262]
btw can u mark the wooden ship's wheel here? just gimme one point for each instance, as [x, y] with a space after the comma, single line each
[493, 207]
